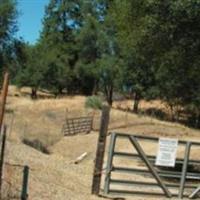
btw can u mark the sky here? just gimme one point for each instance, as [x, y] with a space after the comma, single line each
[31, 13]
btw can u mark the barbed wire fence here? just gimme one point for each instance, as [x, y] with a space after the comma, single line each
[8, 188]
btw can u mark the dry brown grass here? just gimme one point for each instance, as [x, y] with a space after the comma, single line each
[54, 176]
[42, 118]
[128, 104]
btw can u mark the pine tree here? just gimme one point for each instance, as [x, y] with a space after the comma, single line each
[8, 27]
[138, 77]
[98, 55]
[58, 43]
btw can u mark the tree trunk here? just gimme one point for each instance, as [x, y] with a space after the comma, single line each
[95, 88]
[110, 98]
[136, 103]
[109, 94]
[60, 90]
[197, 122]
[33, 93]
[172, 112]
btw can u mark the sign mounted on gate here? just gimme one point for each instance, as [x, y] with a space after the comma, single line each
[166, 155]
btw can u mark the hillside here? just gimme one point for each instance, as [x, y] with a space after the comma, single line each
[54, 176]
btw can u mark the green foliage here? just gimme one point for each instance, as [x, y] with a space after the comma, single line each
[160, 44]
[8, 27]
[93, 102]
[149, 49]
[138, 75]
[58, 44]
[7, 21]
[86, 67]
[176, 35]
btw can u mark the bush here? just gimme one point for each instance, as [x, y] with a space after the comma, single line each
[93, 102]
[36, 144]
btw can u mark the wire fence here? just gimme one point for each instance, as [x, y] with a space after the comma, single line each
[15, 182]
[13, 178]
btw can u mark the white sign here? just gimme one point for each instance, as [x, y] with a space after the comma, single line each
[166, 155]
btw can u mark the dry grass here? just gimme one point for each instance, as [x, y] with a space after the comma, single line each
[43, 118]
[144, 105]
[54, 176]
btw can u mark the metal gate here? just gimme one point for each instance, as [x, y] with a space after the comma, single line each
[135, 172]
[77, 125]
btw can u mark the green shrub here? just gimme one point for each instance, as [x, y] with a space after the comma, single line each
[94, 102]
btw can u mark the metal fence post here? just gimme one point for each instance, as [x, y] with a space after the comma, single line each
[24, 194]
[100, 150]
[2, 156]
[184, 170]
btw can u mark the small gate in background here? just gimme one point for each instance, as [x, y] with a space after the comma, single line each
[77, 125]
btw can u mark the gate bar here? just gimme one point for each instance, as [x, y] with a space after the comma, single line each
[194, 193]
[109, 163]
[142, 137]
[149, 165]
[128, 192]
[184, 170]
[167, 174]
[152, 158]
[145, 184]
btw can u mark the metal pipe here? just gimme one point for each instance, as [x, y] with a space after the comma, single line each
[109, 163]
[194, 193]
[24, 194]
[153, 139]
[149, 165]
[144, 184]
[166, 174]
[184, 170]
[126, 192]
[152, 158]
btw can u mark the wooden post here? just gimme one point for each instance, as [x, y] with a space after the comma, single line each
[4, 93]
[24, 194]
[100, 150]
[2, 157]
